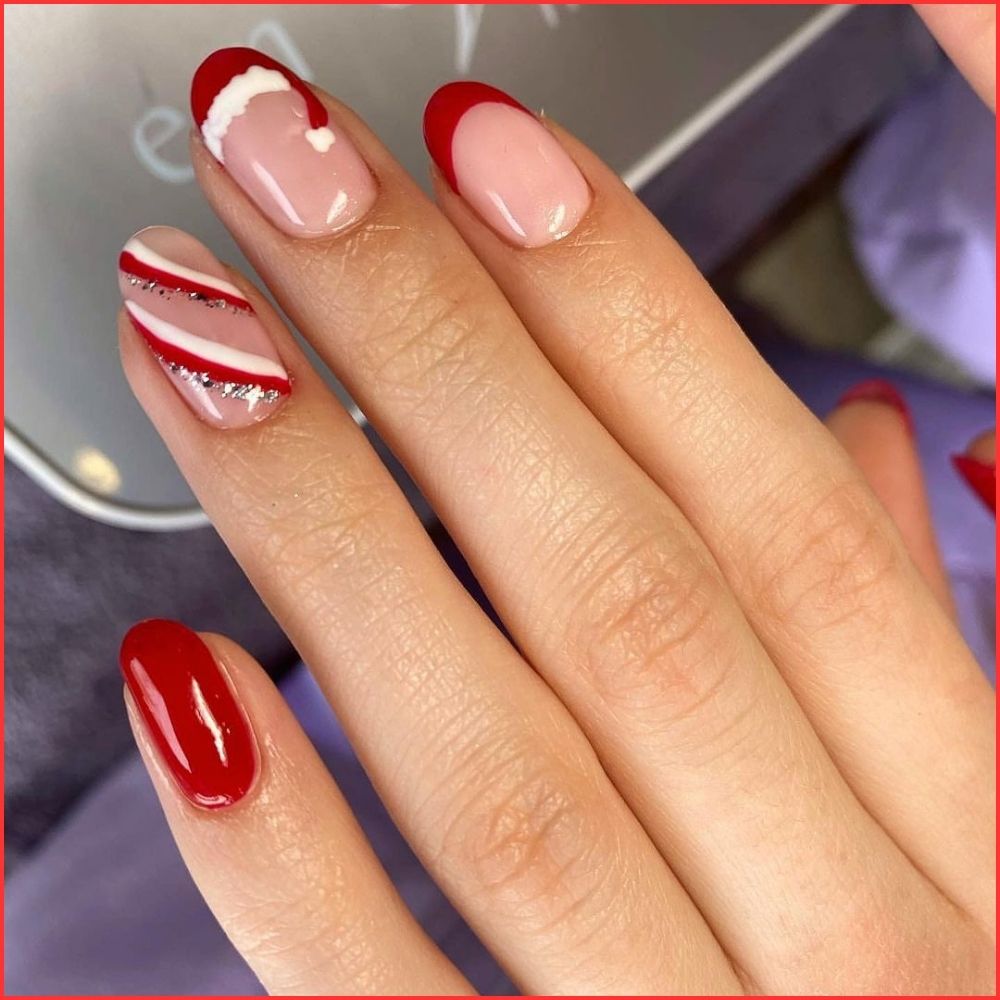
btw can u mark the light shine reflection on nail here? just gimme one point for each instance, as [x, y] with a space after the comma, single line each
[505, 212]
[337, 207]
[276, 193]
[210, 722]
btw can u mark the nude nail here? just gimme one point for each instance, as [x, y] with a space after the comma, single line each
[276, 140]
[201, 328]
[508, 167]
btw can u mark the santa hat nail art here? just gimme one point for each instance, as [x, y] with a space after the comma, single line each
[226, 82]
[201, 328]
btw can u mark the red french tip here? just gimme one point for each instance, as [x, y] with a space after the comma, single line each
[981, 477]
[190, 712]
[218, 70]
[444, 111]
[878, 390]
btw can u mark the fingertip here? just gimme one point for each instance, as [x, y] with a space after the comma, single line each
[882, 392]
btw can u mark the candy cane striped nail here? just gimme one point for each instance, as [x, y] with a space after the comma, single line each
[276, 139]
[201, 328]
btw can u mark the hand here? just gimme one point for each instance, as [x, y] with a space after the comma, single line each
[736, 743]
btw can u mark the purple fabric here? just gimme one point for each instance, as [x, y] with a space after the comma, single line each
[106, 906]
[921, 200]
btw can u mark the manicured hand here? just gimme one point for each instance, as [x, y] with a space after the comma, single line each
[733, 742]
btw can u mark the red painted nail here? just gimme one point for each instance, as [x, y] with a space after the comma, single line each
[190, 712]
[504, 163]
[444, 111]
[981, 476]
[878, 390]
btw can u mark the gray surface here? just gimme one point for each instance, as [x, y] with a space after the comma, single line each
[71, 590]
[81, 78]
[713, 197]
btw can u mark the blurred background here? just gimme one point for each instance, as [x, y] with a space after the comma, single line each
[824, 166]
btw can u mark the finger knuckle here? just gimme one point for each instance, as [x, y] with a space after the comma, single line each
[306, 547]
[835, 553]
[302, 928]
[530, 838]
[325, 526]
[317, 945]
[644, 328]
[648, 630]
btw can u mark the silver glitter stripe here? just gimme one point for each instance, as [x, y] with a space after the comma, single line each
[228, 390]
[166, 290]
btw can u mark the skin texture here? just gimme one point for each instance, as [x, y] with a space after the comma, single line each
[718, 755]
[968, 33]
[877, 439]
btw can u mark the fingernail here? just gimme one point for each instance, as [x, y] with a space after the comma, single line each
[878, 390]
[276, 140]
[190, 712]
[981, 476]
[201, 328]
[504, 163]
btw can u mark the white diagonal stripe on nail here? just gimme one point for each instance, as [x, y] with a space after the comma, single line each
[209, 350]
[143, 253]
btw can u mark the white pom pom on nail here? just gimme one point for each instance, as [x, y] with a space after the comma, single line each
[321, 139]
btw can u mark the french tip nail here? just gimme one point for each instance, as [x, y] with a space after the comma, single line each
[497, 155]
[879, 390]
[981, 478]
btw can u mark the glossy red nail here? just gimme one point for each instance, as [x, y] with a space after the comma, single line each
[878, 390]
[190, 712]
[981, 476]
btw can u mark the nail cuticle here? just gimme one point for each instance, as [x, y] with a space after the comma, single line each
[883, 392]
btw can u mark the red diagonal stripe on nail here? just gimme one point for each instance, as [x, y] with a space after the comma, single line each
[214, 74]
[131, 264]
[193, 362]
